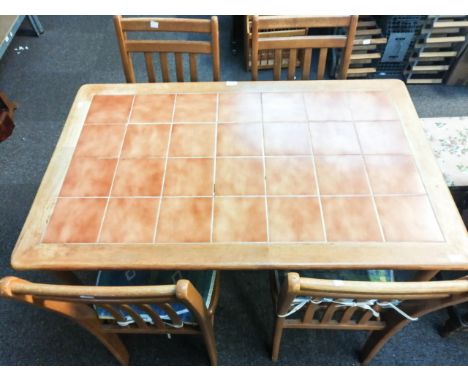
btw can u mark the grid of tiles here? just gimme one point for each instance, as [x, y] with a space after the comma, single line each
[242, 167]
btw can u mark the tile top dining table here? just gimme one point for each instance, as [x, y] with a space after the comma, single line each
[243, 175]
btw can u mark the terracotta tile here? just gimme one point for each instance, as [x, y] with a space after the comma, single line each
[75, 220]
[239, 219]
[110, 109]
[283, 107]
[382, 138]
[295, 219]
[334, 138]
[138, 177]
[393, 174]
[184, 220]
[240, 139]
[129, 220]
[327, 106]
[189, 177]
[240, 176]
[290, 176]
[192, 140]
[289, 138]
[89, 177]
[146, 141]
[240, 107]
[341, 175]
[153, 108]
[408, 218]
[195, 108]
[350, 219]
[100, 141]
[371, 106]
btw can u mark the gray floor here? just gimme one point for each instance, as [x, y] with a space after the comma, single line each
[44, 80]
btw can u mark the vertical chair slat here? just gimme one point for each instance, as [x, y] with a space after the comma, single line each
[310, 312]
[329, 312]
[164, 67]
[113, 311]
[366, 316]
[348, 315]
[215, 48]
[277, 64]
[171, 313]
[154, 316]
[179, 67]
[254, 65]
[193, 67]
[150, 67]
[292, 63]
[322, 63]
[136, 317]
[307, 60]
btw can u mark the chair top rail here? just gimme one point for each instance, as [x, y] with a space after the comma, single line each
[375, 289]
[155, 24]
[273, 22]
[16, 286]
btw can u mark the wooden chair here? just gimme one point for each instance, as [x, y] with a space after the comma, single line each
[164, 47]
[302, 44]
[81, 303]
[308, 303]
[7, 109]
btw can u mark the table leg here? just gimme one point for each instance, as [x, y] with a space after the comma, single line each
[67, 277]
[425, 275]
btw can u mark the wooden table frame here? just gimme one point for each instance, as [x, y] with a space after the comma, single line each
[30, 253]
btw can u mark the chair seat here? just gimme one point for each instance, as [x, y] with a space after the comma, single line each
[449, 141]
[203, 281]
[349, 275]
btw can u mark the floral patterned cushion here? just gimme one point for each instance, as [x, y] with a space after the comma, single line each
[449, 140]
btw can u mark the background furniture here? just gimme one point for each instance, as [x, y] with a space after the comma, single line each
[299, 45]
[7, 109]
[129, 46]
[344, 229]
[266, 58]
[352, 305]
[9, 26]
[79, 303]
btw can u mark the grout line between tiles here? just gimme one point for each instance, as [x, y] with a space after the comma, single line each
[214, 169]
[115, 172]
[243, 196]
[267, 217]
[309, 134]
[374, 204]
[163, 182]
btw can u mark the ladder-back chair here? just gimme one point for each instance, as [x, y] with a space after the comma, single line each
[129, 46]
[302, 45]
[125, 306]
[383, 308]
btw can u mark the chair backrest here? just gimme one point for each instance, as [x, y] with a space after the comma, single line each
[129, 46]
[302, 44]
[337, 304]
[81, 302]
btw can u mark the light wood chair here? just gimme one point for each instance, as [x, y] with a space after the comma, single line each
[302, 45]
[80, 304]
[308, 303]
[164, 47]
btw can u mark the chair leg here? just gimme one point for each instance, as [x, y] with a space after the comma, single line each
[210, 343]
[277, 336]
[111, 341]
[378, 339]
